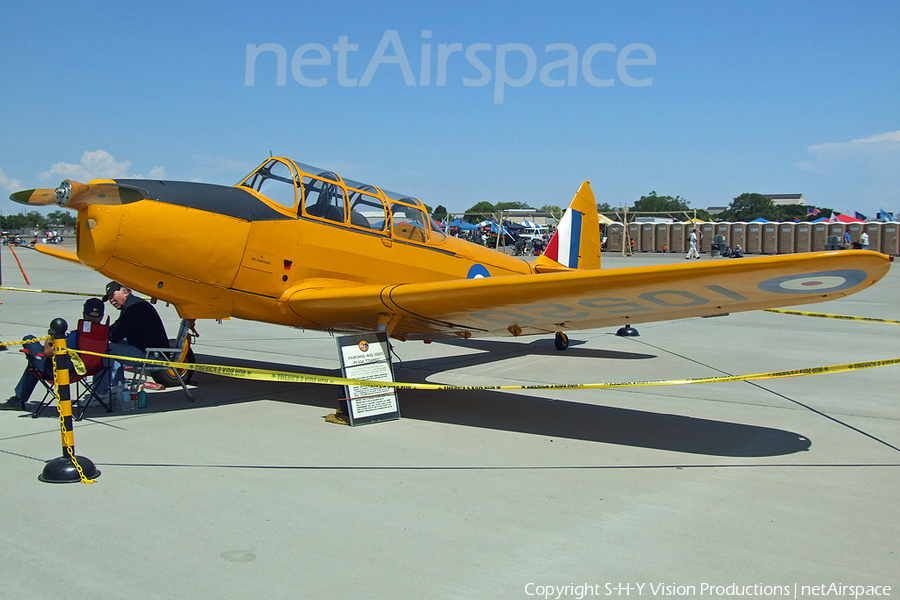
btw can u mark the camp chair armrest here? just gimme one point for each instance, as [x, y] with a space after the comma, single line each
[162, 350]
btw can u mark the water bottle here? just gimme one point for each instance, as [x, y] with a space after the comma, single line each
[118, 394]
[126, 398]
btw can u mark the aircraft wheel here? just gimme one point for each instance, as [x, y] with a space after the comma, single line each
[561, 341]
[168, 378]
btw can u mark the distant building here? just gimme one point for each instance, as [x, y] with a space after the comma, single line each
[654, 220]
[714, 210]
[786, 199]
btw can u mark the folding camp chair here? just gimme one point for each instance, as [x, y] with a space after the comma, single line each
[90, 336]
[179, 352]
[93, 337]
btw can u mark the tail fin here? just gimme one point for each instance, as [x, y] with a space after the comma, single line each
[576, 242]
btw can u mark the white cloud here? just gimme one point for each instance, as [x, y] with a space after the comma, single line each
[12, 185]
[877, 144]
[98, 164]
[880, 152]
[862, 173]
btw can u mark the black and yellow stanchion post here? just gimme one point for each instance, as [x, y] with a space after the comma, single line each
[68, 468]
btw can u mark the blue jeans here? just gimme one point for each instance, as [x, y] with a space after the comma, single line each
[28, 382]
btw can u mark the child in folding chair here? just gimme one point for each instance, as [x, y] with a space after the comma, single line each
[42, 357]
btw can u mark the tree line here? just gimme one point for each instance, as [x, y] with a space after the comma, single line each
[486, 210]
[34, 220]
[746, 207]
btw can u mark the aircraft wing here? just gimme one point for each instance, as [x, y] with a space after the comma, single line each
[586, 299]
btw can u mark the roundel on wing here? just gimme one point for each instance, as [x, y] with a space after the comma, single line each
[814, 283]
[477, 272]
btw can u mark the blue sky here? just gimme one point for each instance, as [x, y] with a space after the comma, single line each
[769, 97]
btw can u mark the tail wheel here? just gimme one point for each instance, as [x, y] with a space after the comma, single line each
[168, 377]
[561, 341]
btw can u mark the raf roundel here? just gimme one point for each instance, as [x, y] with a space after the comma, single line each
[477, 272]
[815, 283]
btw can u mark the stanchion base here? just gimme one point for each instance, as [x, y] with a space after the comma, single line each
[627, 331]
[62, 470]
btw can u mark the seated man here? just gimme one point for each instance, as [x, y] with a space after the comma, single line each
[137, 328]
[93, 312]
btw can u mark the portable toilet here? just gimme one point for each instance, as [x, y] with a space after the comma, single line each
[634, 232]
[786, 233]
[662, 237]
[803, 237]
[874, 231]
[738, 235]
[707, 231]
[677, 237]
[890, 239]
[753, 237]
[648, 237]
[724, 229]
[819, 236]
[836, 229]
[769, 243]
[855, 229]
[615, 233]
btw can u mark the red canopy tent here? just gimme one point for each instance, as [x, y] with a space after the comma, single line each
[839, 218]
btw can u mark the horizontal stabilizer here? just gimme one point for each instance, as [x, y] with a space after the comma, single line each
[64, 253]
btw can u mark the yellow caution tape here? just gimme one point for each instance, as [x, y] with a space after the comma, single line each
[16, 289]
[23, 342]
[77, 363]
[284, 376]
[827, 316]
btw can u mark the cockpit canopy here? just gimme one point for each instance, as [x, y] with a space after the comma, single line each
[313, 193]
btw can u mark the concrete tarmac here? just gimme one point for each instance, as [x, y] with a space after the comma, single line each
[249, 492]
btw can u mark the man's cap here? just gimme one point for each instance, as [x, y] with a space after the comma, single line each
[111, 287]
[93, 307]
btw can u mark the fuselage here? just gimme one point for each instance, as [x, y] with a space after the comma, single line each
[217, 251]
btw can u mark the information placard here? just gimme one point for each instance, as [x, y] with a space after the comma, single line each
[367, 356]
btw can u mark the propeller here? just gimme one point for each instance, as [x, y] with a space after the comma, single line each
[74, 195]
[40, 197]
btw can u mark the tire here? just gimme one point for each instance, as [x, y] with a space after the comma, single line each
[561, 341]
[168, 378]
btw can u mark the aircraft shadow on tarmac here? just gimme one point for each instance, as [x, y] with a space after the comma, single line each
[502, 411]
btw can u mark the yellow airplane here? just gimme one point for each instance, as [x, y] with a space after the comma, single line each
[301, 246]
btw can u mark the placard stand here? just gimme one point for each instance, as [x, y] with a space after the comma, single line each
[368, 356]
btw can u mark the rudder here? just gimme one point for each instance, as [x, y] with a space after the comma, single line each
[576, 242]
